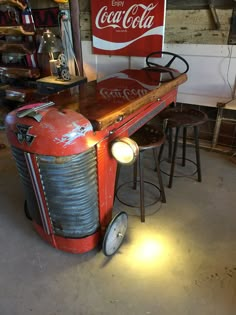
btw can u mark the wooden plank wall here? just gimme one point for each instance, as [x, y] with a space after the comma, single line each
[197, 26]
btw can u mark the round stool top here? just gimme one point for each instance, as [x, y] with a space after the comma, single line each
[177, 117]
[148, 137]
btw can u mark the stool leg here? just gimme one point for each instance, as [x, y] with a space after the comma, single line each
[117, 179]
[163, 196]
[196, 136]
[162, 146]
[135, 174]
[184, 146]
[170, 137]
[141, 183]
[173, 158]
[160, 153]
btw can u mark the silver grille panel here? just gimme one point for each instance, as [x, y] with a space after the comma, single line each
[70, 187]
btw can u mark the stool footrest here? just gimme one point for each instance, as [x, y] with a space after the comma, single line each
[136, 203]
[181, 175]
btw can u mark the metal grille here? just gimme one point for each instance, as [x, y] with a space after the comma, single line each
[32, 205]
[70, 186]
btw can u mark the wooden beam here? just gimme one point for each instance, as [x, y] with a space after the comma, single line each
[197, 4]
[75, 24]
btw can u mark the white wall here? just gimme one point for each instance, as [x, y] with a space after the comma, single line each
[211, 77]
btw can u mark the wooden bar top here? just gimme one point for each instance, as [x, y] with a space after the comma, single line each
[119, 95]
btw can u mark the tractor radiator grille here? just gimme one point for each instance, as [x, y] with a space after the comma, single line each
[32, 205]
[70, 187]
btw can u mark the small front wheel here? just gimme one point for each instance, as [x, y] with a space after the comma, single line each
[115, 234]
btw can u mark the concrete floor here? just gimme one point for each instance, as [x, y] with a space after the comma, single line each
[191, 268]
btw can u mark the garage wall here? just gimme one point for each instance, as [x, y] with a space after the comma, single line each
[191, 31]
[211, 77]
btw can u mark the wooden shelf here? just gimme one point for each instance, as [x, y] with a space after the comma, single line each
[21, 48]
[27, 29]
[21, 95]
[15, 71]
[18, 39]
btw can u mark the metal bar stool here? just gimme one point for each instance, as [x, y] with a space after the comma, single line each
[147, 138]
[177, 119]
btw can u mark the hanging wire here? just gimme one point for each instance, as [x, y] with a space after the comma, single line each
[230, 50]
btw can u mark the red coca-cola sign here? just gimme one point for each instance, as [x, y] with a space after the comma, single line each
[128, 27]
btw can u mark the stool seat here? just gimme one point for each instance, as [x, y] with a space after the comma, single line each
[183, 117]
[147, 138]
[179, 118]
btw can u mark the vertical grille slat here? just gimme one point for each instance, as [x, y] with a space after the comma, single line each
[70, 186]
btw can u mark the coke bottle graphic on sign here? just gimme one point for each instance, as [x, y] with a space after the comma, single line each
[127, 28]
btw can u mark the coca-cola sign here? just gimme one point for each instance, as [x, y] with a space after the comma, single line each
[127, 28]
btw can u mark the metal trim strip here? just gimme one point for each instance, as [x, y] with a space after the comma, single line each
[33, 176]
